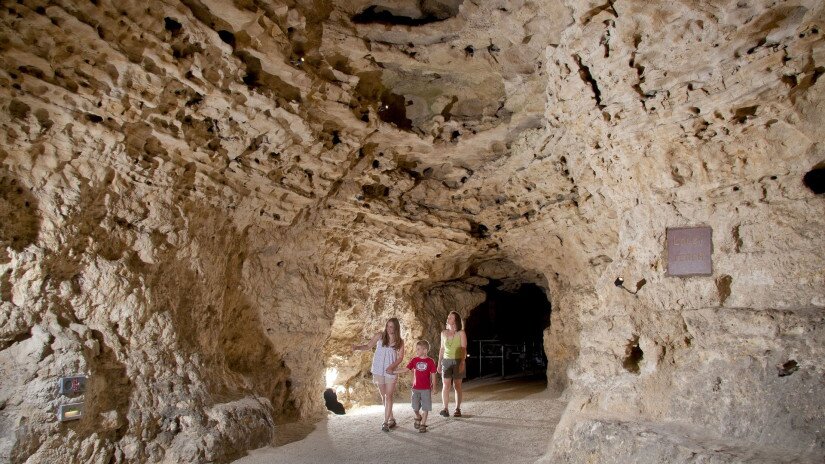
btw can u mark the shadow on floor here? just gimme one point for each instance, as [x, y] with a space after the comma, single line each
[498, 389]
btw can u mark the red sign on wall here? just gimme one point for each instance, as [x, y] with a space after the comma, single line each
[689, 251]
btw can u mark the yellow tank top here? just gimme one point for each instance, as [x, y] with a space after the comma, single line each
[451, 345]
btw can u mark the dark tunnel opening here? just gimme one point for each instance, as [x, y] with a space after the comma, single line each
[505, 333]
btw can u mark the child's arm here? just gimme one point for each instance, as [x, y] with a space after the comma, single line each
[400, 350]
[432, 382]
[369, 345]
[401, 370]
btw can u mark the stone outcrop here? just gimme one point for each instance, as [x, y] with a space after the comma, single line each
[205, 204]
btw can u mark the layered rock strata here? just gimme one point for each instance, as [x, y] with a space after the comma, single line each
[206, 203]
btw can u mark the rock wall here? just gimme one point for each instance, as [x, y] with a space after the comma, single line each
[694, 114]
[206, 203]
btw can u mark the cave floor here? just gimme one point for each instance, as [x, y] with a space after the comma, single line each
[503, 421]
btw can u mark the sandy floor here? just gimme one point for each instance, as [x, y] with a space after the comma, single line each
[500, 425]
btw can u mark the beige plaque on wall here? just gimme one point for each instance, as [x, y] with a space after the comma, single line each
[689, 251]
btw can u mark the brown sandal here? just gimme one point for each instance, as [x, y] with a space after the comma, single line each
[422, 428]
[391, 423]
[457, 413]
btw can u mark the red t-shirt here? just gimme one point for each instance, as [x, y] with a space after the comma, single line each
[423, 368]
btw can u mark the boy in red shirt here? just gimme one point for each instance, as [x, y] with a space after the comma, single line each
[423, 383]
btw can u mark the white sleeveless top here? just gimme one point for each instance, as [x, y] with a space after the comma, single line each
[381, 360]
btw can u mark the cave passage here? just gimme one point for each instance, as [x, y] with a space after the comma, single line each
[505, 333]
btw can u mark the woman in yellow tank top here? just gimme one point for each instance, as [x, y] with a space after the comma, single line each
[451, 359]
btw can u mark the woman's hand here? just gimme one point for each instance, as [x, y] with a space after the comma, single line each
[438, 369]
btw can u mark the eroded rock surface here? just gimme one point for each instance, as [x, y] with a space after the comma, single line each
[205, 204]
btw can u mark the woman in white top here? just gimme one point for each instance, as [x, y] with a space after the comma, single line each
[389, 349]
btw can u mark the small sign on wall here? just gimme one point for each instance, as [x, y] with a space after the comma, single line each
[69, 412]
[73, 385]
[689, 251]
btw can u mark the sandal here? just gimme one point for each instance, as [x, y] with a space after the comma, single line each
[385, 427]
[445, 413]
[422, 428]
[417, 422]
[391, 423]
[457, 413]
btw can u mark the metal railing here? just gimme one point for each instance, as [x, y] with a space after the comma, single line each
[522, 357]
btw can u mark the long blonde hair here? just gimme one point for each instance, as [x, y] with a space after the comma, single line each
[385, 337]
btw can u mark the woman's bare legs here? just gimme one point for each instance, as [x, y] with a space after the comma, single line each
[388, 403]
[458, 393]
[445, 392]
[386, 391]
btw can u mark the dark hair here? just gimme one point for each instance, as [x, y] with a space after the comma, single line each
[385, 338]
[424, 343]
[459, 325]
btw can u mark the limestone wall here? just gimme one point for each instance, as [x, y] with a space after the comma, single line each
[205, 204]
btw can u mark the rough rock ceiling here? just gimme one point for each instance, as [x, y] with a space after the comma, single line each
[196, 186]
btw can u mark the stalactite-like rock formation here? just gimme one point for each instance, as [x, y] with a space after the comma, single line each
[205, 204]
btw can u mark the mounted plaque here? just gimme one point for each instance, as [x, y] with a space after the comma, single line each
[689, 251]
[69, 412]
[73, 385]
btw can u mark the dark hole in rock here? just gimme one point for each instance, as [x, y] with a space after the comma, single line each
[788, 368]
[376, 164]
[469, 50]
[789, 80]
[633, 356]
[332, 403]
[194, 100]
[93, 118]
[19, 109]
[336, 137]
[478, 230]
[723, 287]
[227, 37]
[171, 25]
[818, 72]
[394, 111]
[740, 115]
[251, 79]
[815, 179]
[373, 191]
[375, 14]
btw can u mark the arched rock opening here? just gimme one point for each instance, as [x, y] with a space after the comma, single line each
[505, 333]
[498, 299]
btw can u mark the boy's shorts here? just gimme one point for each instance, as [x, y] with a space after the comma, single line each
[449, 369]
[422, 399]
